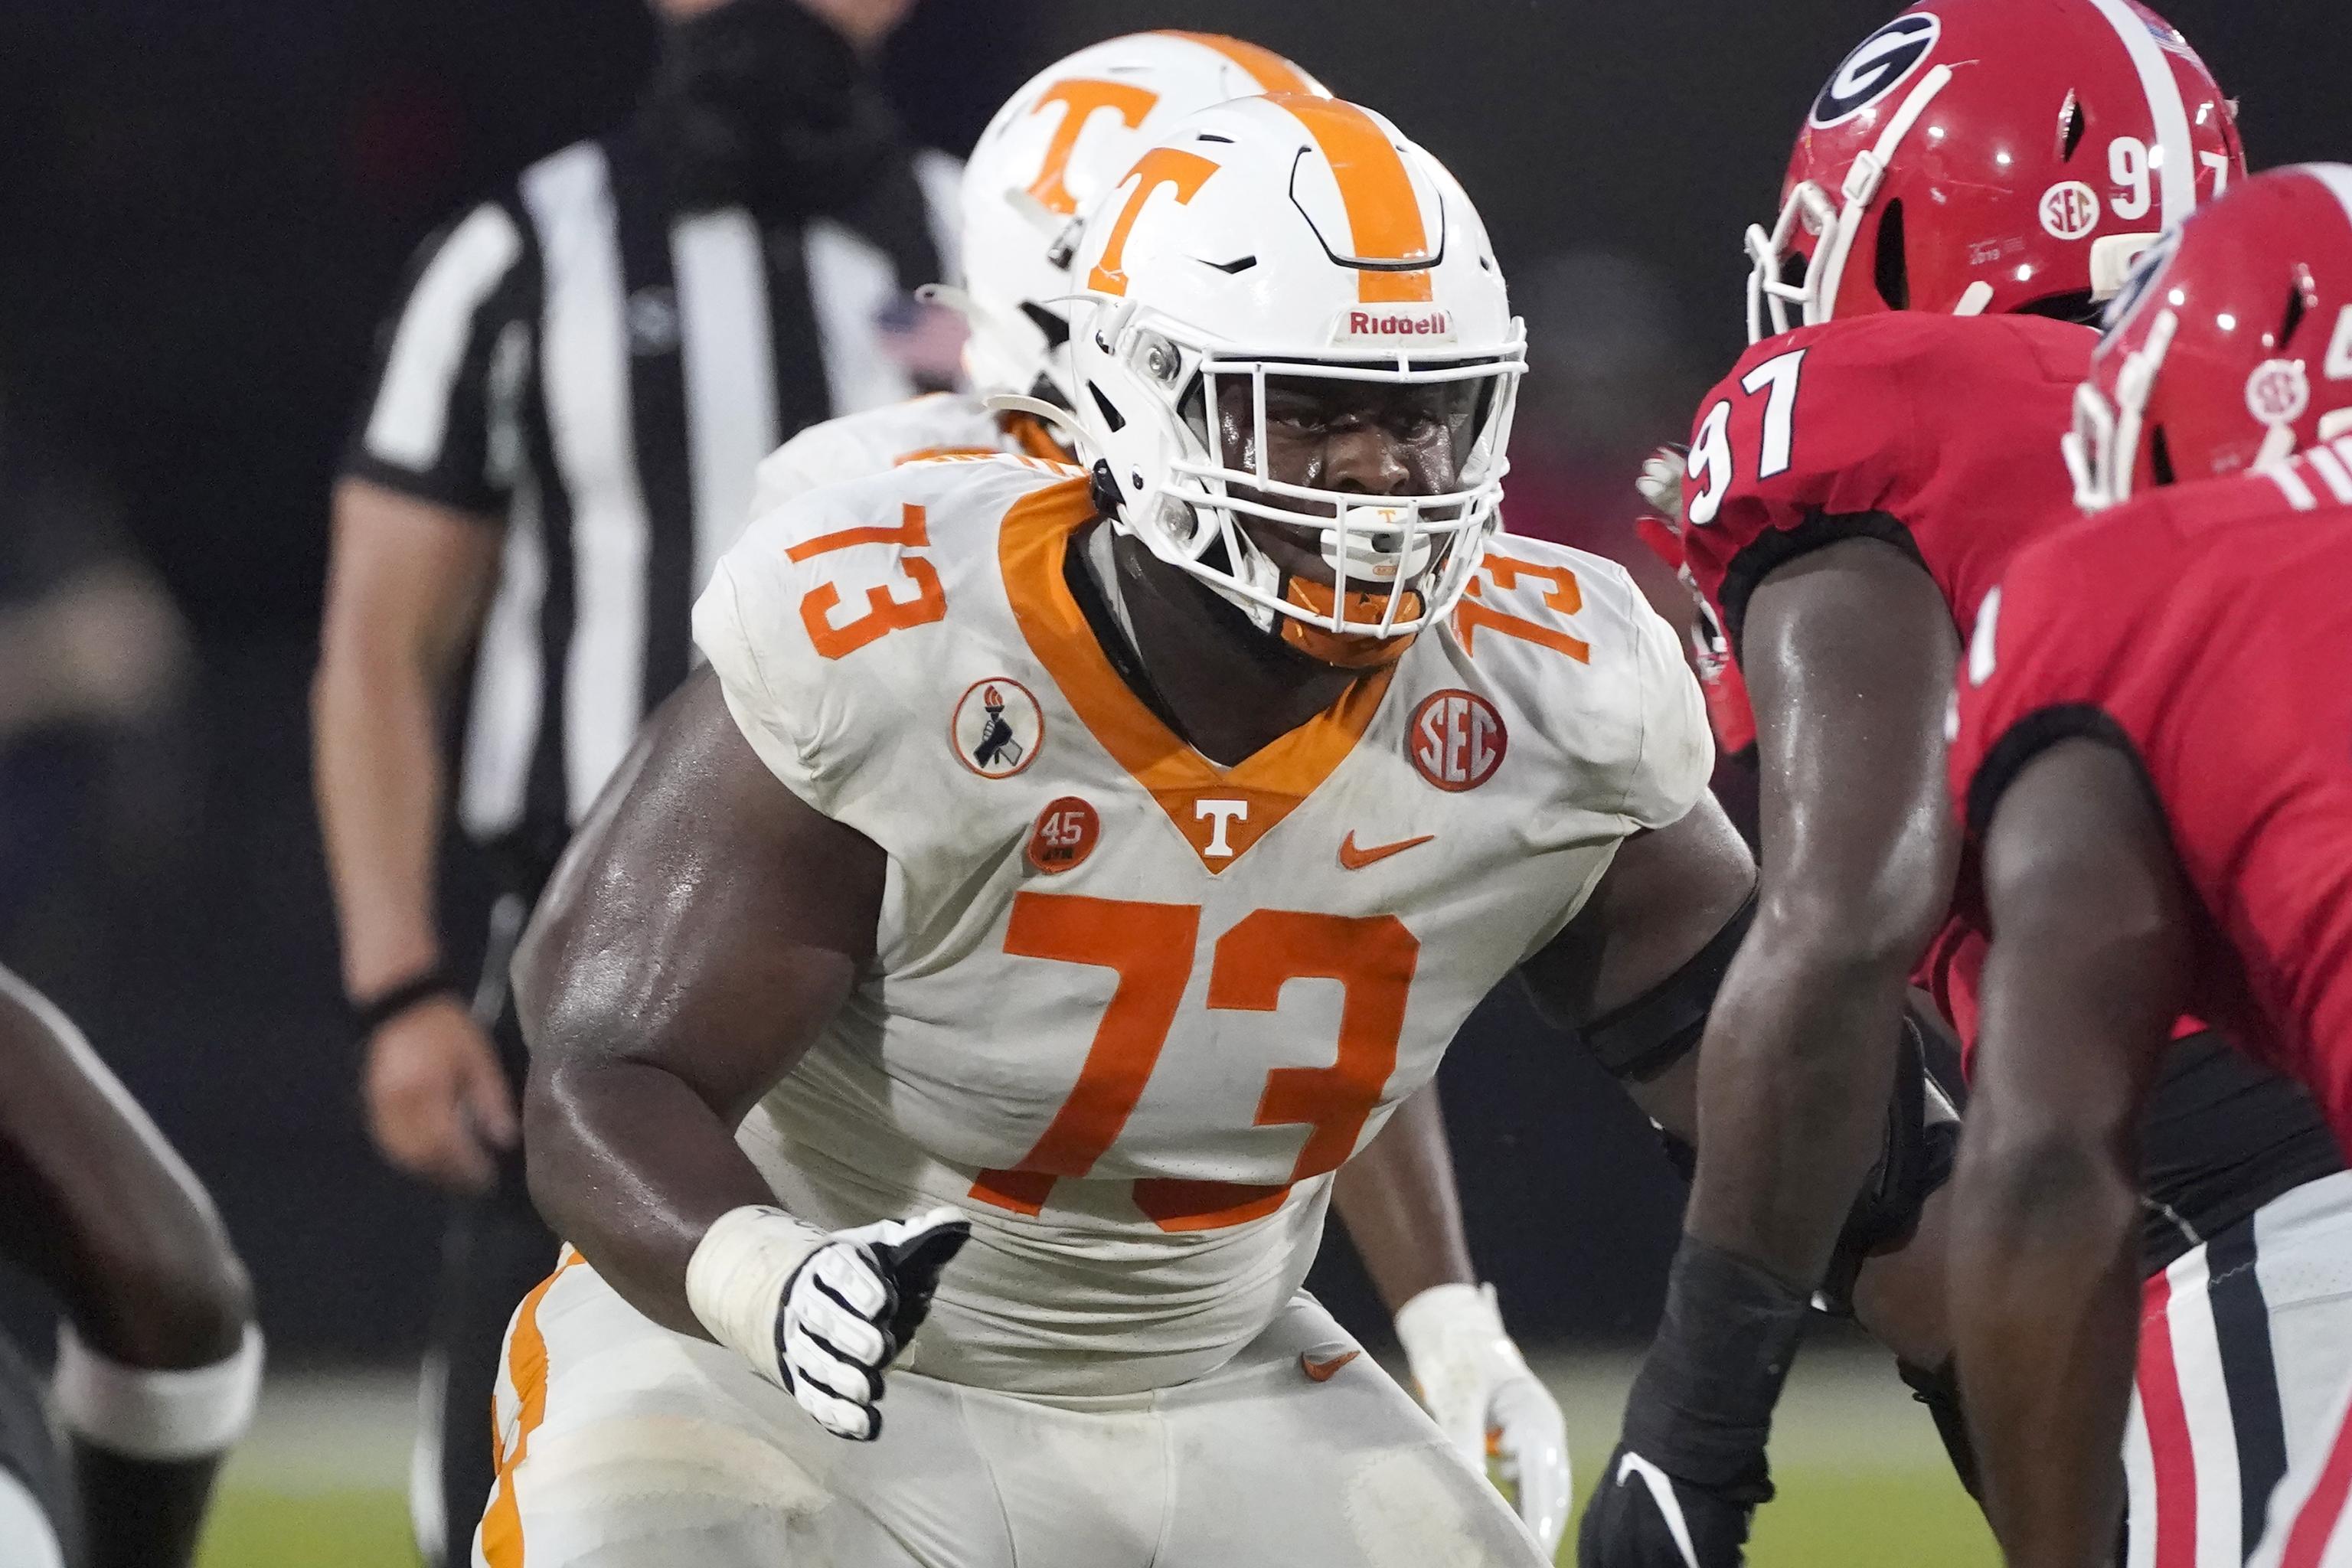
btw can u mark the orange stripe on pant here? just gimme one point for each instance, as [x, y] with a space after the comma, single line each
[527, 1369]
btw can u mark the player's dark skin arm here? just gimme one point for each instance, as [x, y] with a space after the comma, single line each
[1848, 652]
[1664, 896]
[101, 1211]
[704, 926]
[2091, 928]
[1399, 1203]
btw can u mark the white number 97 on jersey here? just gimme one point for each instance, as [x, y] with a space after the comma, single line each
[1711, 466]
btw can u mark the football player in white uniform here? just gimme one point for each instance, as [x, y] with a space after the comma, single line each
[1056, 875]
[1058, 143]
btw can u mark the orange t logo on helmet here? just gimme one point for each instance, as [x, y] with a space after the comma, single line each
[1079, 99]
[1188, 171]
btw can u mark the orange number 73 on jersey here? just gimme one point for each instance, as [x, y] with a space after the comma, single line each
[1562, 593]
[885, 613]
[1149, 947]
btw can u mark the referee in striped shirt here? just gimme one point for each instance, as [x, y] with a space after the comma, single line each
[574, 390]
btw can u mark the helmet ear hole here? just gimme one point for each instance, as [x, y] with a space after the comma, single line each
[1890, 271]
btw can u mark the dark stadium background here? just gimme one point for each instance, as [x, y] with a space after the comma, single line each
[203, 209]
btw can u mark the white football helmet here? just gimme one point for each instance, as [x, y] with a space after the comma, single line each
[1293, 238]
[1059, 142]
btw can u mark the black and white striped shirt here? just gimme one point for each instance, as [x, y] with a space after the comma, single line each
[604, 374]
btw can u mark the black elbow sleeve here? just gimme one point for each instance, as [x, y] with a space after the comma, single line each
[1658, 1028]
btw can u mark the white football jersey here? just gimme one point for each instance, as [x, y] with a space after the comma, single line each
[1129, 1008]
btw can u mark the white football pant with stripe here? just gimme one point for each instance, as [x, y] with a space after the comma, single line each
[2245, 1342]
[624, 1445]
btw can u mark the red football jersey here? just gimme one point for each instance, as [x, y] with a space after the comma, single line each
[2203, 627]
[1938, 433]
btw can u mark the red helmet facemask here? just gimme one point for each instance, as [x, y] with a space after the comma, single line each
[2230, 348]
[1977, 157]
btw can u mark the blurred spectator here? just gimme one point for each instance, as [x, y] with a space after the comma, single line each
[91, 655]
[571, 399]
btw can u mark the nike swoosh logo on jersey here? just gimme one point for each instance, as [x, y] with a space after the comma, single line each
[1354, 859]
[1662, 1492]
[1321, 1370]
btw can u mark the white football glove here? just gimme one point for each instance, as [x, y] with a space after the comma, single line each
[1477, 1386]
[822, 1314]
[1661, 483]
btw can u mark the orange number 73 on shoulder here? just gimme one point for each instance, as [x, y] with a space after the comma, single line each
[886, 612]
[1561, 594]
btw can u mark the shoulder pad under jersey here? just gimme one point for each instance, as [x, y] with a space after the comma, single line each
[1584, 668]
[829, 622]
[857, 444]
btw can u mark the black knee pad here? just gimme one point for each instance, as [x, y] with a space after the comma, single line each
[1922, 1137]
[1939, 1391]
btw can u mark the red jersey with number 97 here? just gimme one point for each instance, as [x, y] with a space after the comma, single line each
[1936, 434]
[2202, 629]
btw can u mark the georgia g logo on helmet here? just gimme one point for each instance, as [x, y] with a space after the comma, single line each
[1877, 66]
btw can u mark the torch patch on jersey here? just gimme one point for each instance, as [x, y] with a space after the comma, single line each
[997, 728]
[1064, 835]
[1457, 740]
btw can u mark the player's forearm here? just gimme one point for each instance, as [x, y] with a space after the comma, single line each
[380, 779]
[1794, 1074]
[631, 1166]
[1400, 1206]
[2045, 1293]
[103, 1212]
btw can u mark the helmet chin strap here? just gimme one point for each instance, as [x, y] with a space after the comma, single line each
[1053, 415]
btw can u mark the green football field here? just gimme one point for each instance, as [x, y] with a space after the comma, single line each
[1862, 1480]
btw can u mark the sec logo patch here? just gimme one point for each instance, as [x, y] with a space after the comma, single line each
[1065, 834]
[2070, 209]
[1456, 740]
[997, 728]
[2278, 392]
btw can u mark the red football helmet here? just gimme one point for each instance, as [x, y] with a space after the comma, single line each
[2231, 347]
[1991, 155]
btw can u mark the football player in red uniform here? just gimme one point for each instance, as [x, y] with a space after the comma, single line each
[2153, 749]
[1971, 181]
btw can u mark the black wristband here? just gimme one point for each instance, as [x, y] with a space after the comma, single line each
[382, 1008]
[1702, 1408]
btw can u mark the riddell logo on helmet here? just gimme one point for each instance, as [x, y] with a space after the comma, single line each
[1356, 325]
